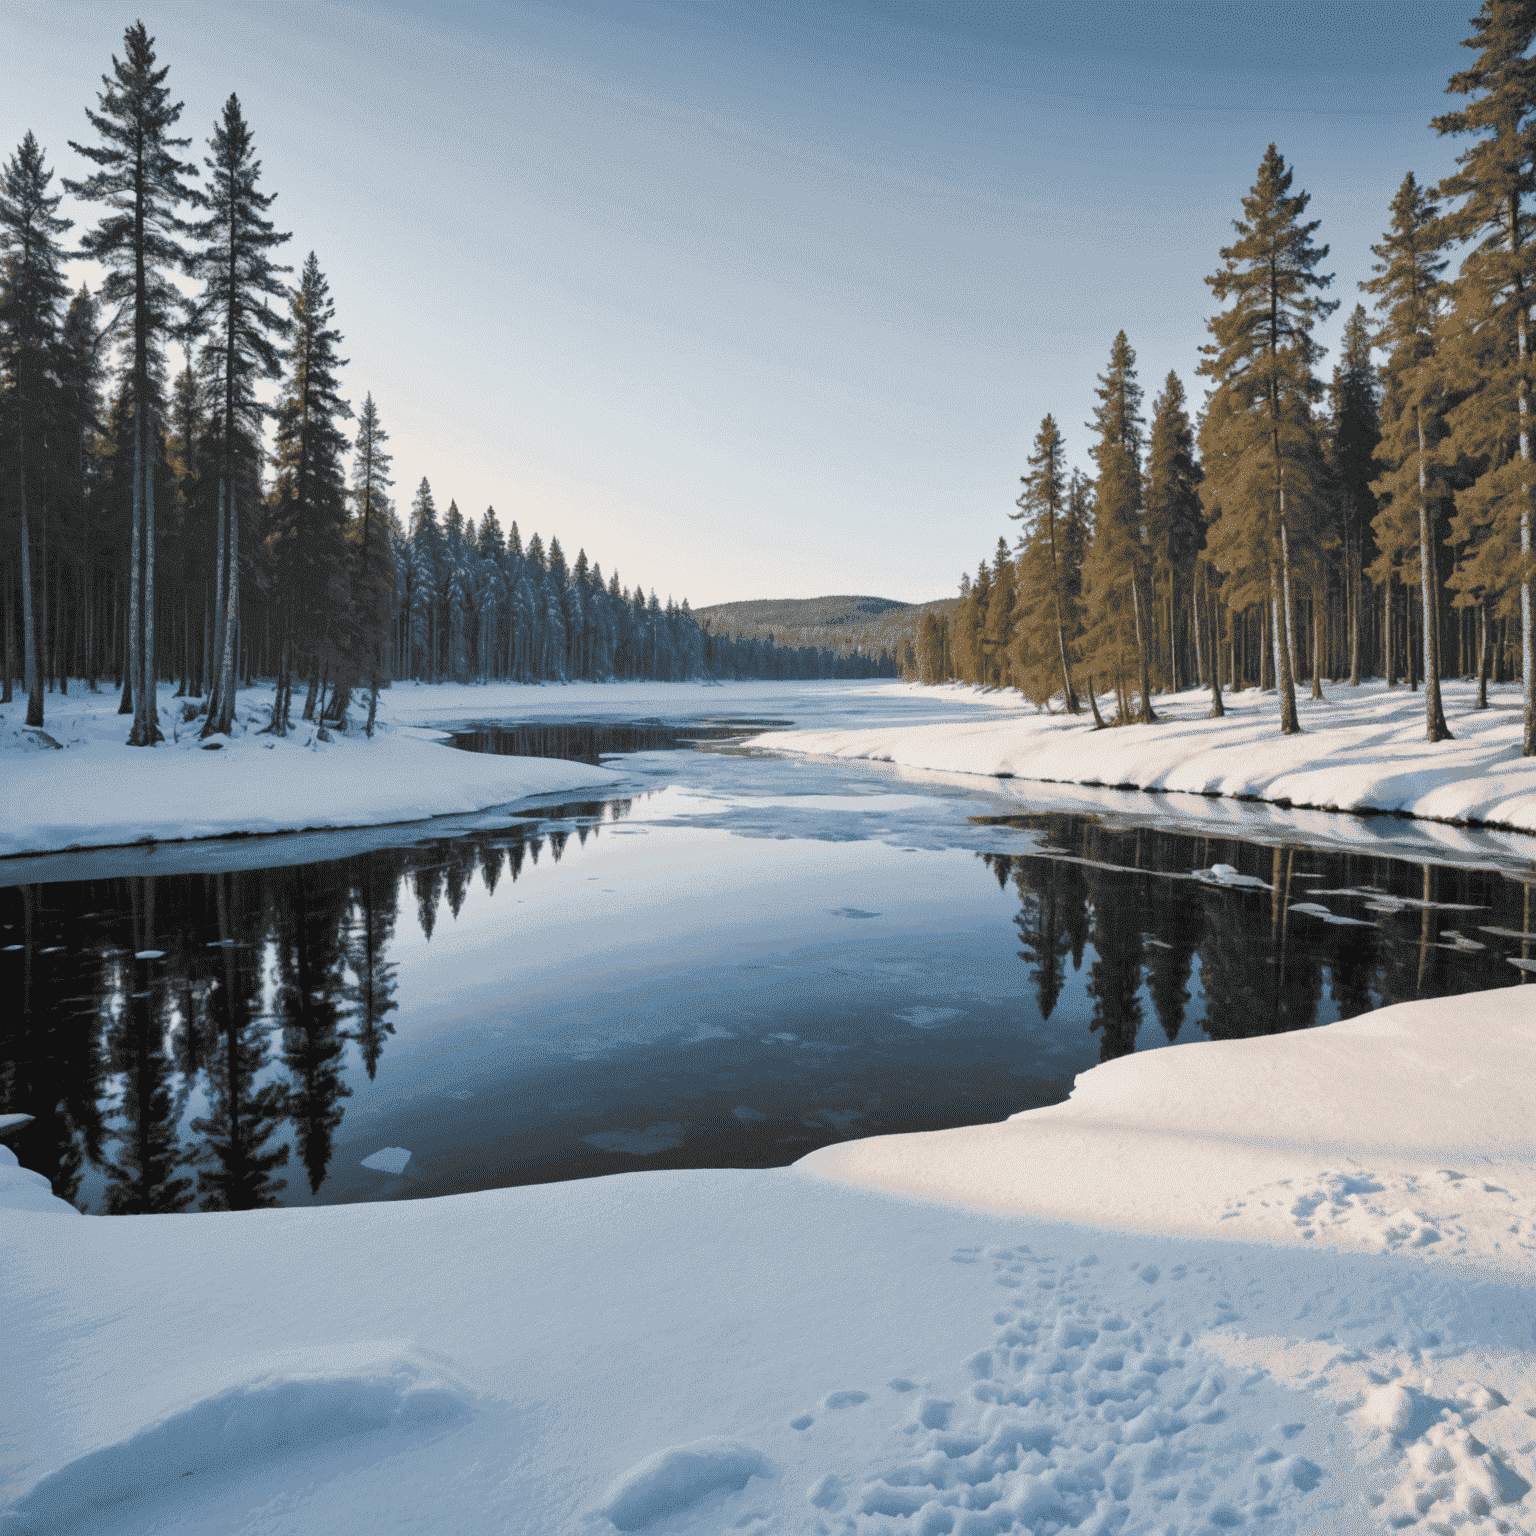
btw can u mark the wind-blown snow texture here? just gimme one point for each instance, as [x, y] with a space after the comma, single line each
[1361, 750]
[795, 1351]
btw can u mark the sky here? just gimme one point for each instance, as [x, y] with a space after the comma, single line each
[767, 300]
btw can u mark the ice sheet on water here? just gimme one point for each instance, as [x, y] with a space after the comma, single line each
[928, 1018]
[1225, 874]
[388, 1160]
[660, 1137]
[1317, 909]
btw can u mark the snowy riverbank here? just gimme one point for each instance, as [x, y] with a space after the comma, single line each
[1363, 749]
[1283, 1282]
[76, 785]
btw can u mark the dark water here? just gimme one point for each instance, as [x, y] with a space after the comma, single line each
[729, 960]
[591, 741]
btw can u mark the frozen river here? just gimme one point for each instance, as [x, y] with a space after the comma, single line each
[727, 959]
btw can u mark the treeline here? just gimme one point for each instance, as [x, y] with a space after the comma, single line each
[1295, 529]
[148, 534]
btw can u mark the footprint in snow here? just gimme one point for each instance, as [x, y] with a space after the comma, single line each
[1076, 1400]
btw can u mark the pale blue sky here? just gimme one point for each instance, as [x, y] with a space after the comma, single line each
[768, 299]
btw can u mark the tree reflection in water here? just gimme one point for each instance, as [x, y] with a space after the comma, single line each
[188, 1036]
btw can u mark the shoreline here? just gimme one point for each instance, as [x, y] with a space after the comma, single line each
[1361, 747]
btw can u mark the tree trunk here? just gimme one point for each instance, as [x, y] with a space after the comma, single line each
[134, 685]
[1286, 683]
[1434, 716]
[1484, 656]
[1214, 613]
[10, 640]
[1317, 651]
[1386, 631]
[33, 684]
[1093, 701]
[1146, 716]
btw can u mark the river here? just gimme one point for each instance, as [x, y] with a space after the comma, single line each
[728, 958]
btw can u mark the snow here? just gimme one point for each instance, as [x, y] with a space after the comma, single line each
[1282, 1283]
[671, 1480]
[1407, 1128]
[1361, 749]
[1199, 1296]
[54, 799]
[97, 792]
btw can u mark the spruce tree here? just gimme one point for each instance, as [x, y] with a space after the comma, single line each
[997, 635]
[1407, 285]
[1263, 457]
[241, 335]
[1356, 430]
[1175, 530]
[31, 291]
[308, 513]
[1118, 560]
[373, 576]
[1492, 189]
[138, 241]
[1042, 505]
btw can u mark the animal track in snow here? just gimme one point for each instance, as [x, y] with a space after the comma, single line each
[1080, 1415]
[1441, 1212]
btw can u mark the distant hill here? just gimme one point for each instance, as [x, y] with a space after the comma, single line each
[841, 624]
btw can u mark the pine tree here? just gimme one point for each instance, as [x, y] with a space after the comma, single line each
[1042, 506]
[308, 513]
[997, 634]
[80, 374]
[1118, 560]
[1259, 446]
[31, 292]
[1495, 181]
[241, 334]
[1407, 284]
[142, 183]
[1175, 531]
[373, 576]
[1356, 430]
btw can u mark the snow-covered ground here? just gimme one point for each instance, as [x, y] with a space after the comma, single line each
[1362, 749]
[76, 785]
[1282, 1284]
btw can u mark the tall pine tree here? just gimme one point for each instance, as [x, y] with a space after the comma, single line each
[308, 514]
[1492, 190]
[1356, 430]
[1263, 456]
[1407, 285]
[31, 291]
[1042, 507]
[241, 334]
[139, 241]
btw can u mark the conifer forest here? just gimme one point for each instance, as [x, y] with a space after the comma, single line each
[152, 529]
[1291, 528]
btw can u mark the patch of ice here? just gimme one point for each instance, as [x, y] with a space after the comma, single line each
[746, 1114]
[928, 1018]
[1225, 874]
[388, 1160]
[660, 1137]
